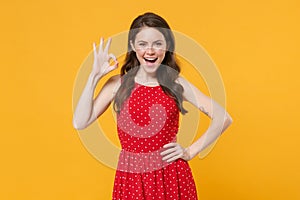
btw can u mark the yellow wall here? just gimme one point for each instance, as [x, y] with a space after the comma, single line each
[254, 45]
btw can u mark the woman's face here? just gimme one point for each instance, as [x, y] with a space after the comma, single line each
[150, 47]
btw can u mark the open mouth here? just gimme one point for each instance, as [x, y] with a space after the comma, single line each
[151, 60]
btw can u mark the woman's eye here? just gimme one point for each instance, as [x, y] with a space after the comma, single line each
[142, 44]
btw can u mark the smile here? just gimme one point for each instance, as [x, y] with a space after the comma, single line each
[151, 60]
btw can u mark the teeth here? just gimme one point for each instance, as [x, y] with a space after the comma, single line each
[150, 58]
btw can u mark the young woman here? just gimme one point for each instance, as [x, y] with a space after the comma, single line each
[147, 96]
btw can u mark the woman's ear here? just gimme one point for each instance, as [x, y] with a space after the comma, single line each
[132, 46]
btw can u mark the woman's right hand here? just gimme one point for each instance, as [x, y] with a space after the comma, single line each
[102, 59]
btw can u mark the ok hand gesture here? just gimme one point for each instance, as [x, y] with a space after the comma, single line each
[101, 64]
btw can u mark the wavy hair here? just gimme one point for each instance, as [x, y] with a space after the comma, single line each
[166, 73]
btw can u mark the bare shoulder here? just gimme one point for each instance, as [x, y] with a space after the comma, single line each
[184, 83]
[189, 89]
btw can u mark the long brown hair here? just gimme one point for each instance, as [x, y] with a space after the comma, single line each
[167, 72]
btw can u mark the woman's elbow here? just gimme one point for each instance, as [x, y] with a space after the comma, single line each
[229, 119]
[78, 126]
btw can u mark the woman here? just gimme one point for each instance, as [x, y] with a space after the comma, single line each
[147, 96]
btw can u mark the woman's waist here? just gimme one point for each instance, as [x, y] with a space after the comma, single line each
[145, 145]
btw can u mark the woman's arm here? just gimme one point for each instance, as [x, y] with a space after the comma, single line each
[220, 118]
[87, 109]
[220, 121]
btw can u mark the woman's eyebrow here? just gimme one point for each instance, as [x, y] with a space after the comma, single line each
[153, 41]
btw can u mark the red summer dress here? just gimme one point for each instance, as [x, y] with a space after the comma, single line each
[148, 120]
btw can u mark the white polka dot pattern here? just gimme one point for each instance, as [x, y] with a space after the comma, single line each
[148, 120]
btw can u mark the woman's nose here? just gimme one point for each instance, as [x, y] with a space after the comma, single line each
[150, 50]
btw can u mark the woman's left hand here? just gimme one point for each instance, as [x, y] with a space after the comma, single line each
[175, 151]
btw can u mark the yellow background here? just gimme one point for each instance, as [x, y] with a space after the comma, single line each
[254, 44]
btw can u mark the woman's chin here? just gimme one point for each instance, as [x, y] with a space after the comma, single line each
[150, 64]
[150, 67]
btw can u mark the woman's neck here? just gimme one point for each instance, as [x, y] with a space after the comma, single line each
[144, 77]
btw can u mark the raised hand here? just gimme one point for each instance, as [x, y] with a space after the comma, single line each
[102, 58]
[175, 151]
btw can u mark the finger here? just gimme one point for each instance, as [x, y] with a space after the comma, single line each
[101, 45]
[95, 51]
[109, 67]
[172, 144]
[173, 158]
[113, 67]
[171, 155]
[112, 56]
[107, 45]
[168, 151]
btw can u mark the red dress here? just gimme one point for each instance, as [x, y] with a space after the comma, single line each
[148, 120]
